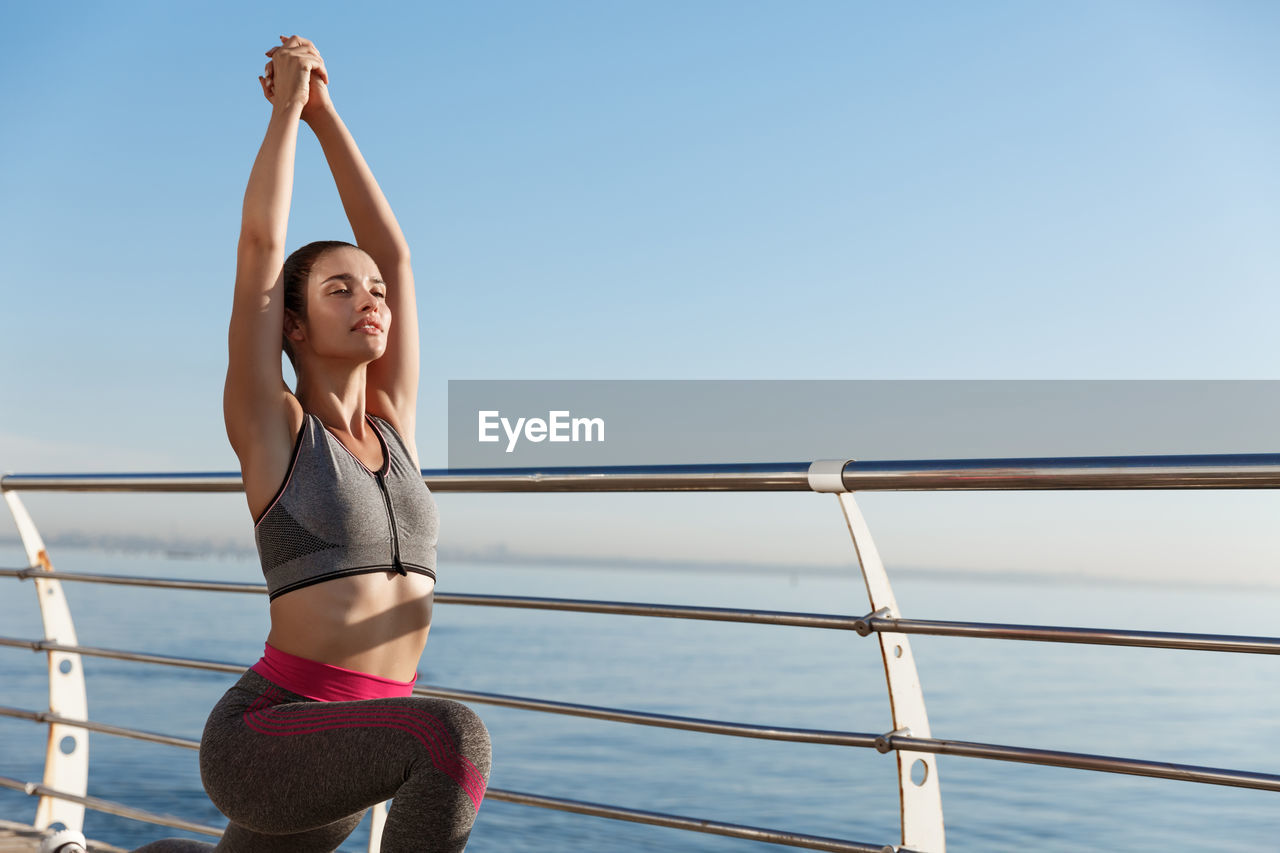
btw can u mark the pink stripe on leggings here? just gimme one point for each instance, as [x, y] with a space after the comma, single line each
[425, 728]
[455, 767]
[421, 719]
[446, 753]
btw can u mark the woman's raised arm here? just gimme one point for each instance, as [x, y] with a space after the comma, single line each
[392, 380]
[256, 403]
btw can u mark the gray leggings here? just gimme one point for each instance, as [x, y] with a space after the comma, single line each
[296, 776]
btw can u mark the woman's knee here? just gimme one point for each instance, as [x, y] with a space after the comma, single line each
[455, 754]
[469, 733]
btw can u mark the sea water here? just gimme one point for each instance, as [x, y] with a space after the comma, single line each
[1186, 707]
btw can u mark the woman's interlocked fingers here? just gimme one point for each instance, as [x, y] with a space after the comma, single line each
[292, 65]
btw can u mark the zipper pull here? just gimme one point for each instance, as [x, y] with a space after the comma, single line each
[400, 568]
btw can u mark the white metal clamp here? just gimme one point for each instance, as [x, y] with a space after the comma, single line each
[827, 475]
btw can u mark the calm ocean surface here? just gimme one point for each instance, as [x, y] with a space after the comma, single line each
[1189, 707]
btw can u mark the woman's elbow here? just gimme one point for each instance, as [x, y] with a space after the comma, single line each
[259, 241]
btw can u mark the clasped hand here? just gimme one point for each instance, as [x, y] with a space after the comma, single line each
[296, 74]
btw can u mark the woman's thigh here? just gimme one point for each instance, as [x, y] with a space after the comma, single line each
[237, 839]
[276, 763]
[324, 839]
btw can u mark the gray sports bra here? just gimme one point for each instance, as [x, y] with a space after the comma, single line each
[333, 517]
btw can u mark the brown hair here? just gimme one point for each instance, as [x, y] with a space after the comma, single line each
[297, 269]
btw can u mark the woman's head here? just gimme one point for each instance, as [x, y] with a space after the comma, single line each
[341, 274]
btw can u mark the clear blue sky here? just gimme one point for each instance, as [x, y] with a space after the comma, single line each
[730, 190]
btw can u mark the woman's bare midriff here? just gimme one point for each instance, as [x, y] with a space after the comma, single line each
[375, 623]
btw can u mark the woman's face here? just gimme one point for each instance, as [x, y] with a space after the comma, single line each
[347, 313]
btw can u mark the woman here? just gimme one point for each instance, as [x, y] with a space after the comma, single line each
[323, 726]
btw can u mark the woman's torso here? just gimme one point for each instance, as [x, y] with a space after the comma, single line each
[371, 623]
[348, 550]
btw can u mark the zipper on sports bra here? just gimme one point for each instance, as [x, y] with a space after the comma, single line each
[391, 521]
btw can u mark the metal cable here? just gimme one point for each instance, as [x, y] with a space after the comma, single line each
[1085, 636]
[771, 836]
[885, 743]
[1185, 471]
[104, 728]
[857, 739]
[1085, 761]
[35, 789]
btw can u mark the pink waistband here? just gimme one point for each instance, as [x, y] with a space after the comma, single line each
[325, 682]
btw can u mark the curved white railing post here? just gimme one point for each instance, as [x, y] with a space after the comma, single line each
[919, 791]
[379, 815]
[66, 762]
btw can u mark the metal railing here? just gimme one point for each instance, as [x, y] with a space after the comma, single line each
[63, 791]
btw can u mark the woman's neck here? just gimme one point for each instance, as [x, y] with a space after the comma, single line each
[336, 398]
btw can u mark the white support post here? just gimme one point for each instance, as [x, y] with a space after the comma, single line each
[379, 816]
[920, 793]
[66, 763]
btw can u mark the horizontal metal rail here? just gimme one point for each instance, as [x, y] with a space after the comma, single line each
[35, 789]
[1188, 471]
[115, 654]
[884, 743]
[625, 608]
[127, 580]
[12, 829]
[1199, 471]
[795, 735]
[733, 830]
[692, 724]
[104, 728]
[596, 809]
[863, 625]
[1084, 761]
[217, 481]
[666, 611]
[1087, 636]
